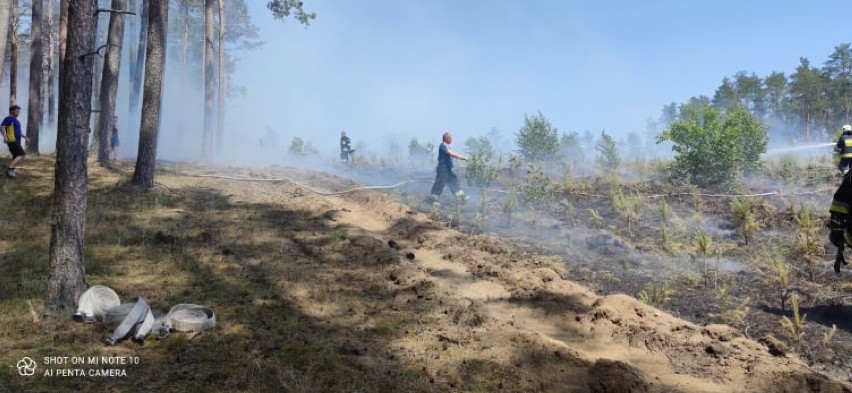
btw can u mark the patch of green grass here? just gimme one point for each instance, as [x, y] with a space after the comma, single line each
[340, 236]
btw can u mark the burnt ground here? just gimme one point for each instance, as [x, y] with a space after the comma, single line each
[734, 283]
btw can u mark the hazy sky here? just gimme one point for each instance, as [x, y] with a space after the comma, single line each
[378, 68]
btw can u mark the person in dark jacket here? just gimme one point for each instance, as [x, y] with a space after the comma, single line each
[843, 149]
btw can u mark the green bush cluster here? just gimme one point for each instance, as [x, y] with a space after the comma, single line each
[608, 158]
[479, 173]
[713, 146]
[537, 188]
[537, 139]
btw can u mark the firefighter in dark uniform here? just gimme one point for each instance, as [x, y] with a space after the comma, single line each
[345, 147]
[843, 149]
[839, 223]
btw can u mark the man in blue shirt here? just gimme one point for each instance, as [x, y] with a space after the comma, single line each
[444, 172]
[11, 128]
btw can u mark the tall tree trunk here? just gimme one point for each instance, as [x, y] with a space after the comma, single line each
[51, 67]
[209, 80]
[808, 123]
[184, 44]
[13, 55]
[223, 80]
[184, 74]
[5, 8]
[63, 33]
[155, 65]
[35, 107]
[132, 27]
[137, 68]
[67, 232]
[100, 42]
[109, 80]
[97, 70]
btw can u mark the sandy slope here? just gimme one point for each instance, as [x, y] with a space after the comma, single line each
[525, 314]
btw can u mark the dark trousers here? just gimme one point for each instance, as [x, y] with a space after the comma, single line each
[445, 176]
[845, 163]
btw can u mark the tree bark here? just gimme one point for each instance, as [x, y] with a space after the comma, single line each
[100, 40]
[63, 32]
[223, 80]
[155, 65]
[109, 80]
[209, 80]
[184, 75]
[137, 69]
[35, 107]
[51, 67]
[67, 279]
[13, 55]
[185, 44]
[808, 124]
[132, 27]
[5, 8]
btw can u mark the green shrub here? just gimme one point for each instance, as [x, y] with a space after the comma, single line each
[655, 295]
[537, 188]
[608, 158]
[537, 139]
[746, 221]
[479, 173]
[712, 147]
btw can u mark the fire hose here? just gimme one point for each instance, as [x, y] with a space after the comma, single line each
[136, 320]
[289, 180]
[95, 302]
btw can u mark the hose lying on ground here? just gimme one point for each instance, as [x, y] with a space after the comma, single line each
[94, 303]
[330, 193]
[136, 319]
[188, 318]
[138, 322]
[289, 180]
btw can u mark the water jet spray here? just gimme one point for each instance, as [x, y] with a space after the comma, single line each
[792, 149]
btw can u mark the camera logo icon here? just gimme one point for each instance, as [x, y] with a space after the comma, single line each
[26, 366]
